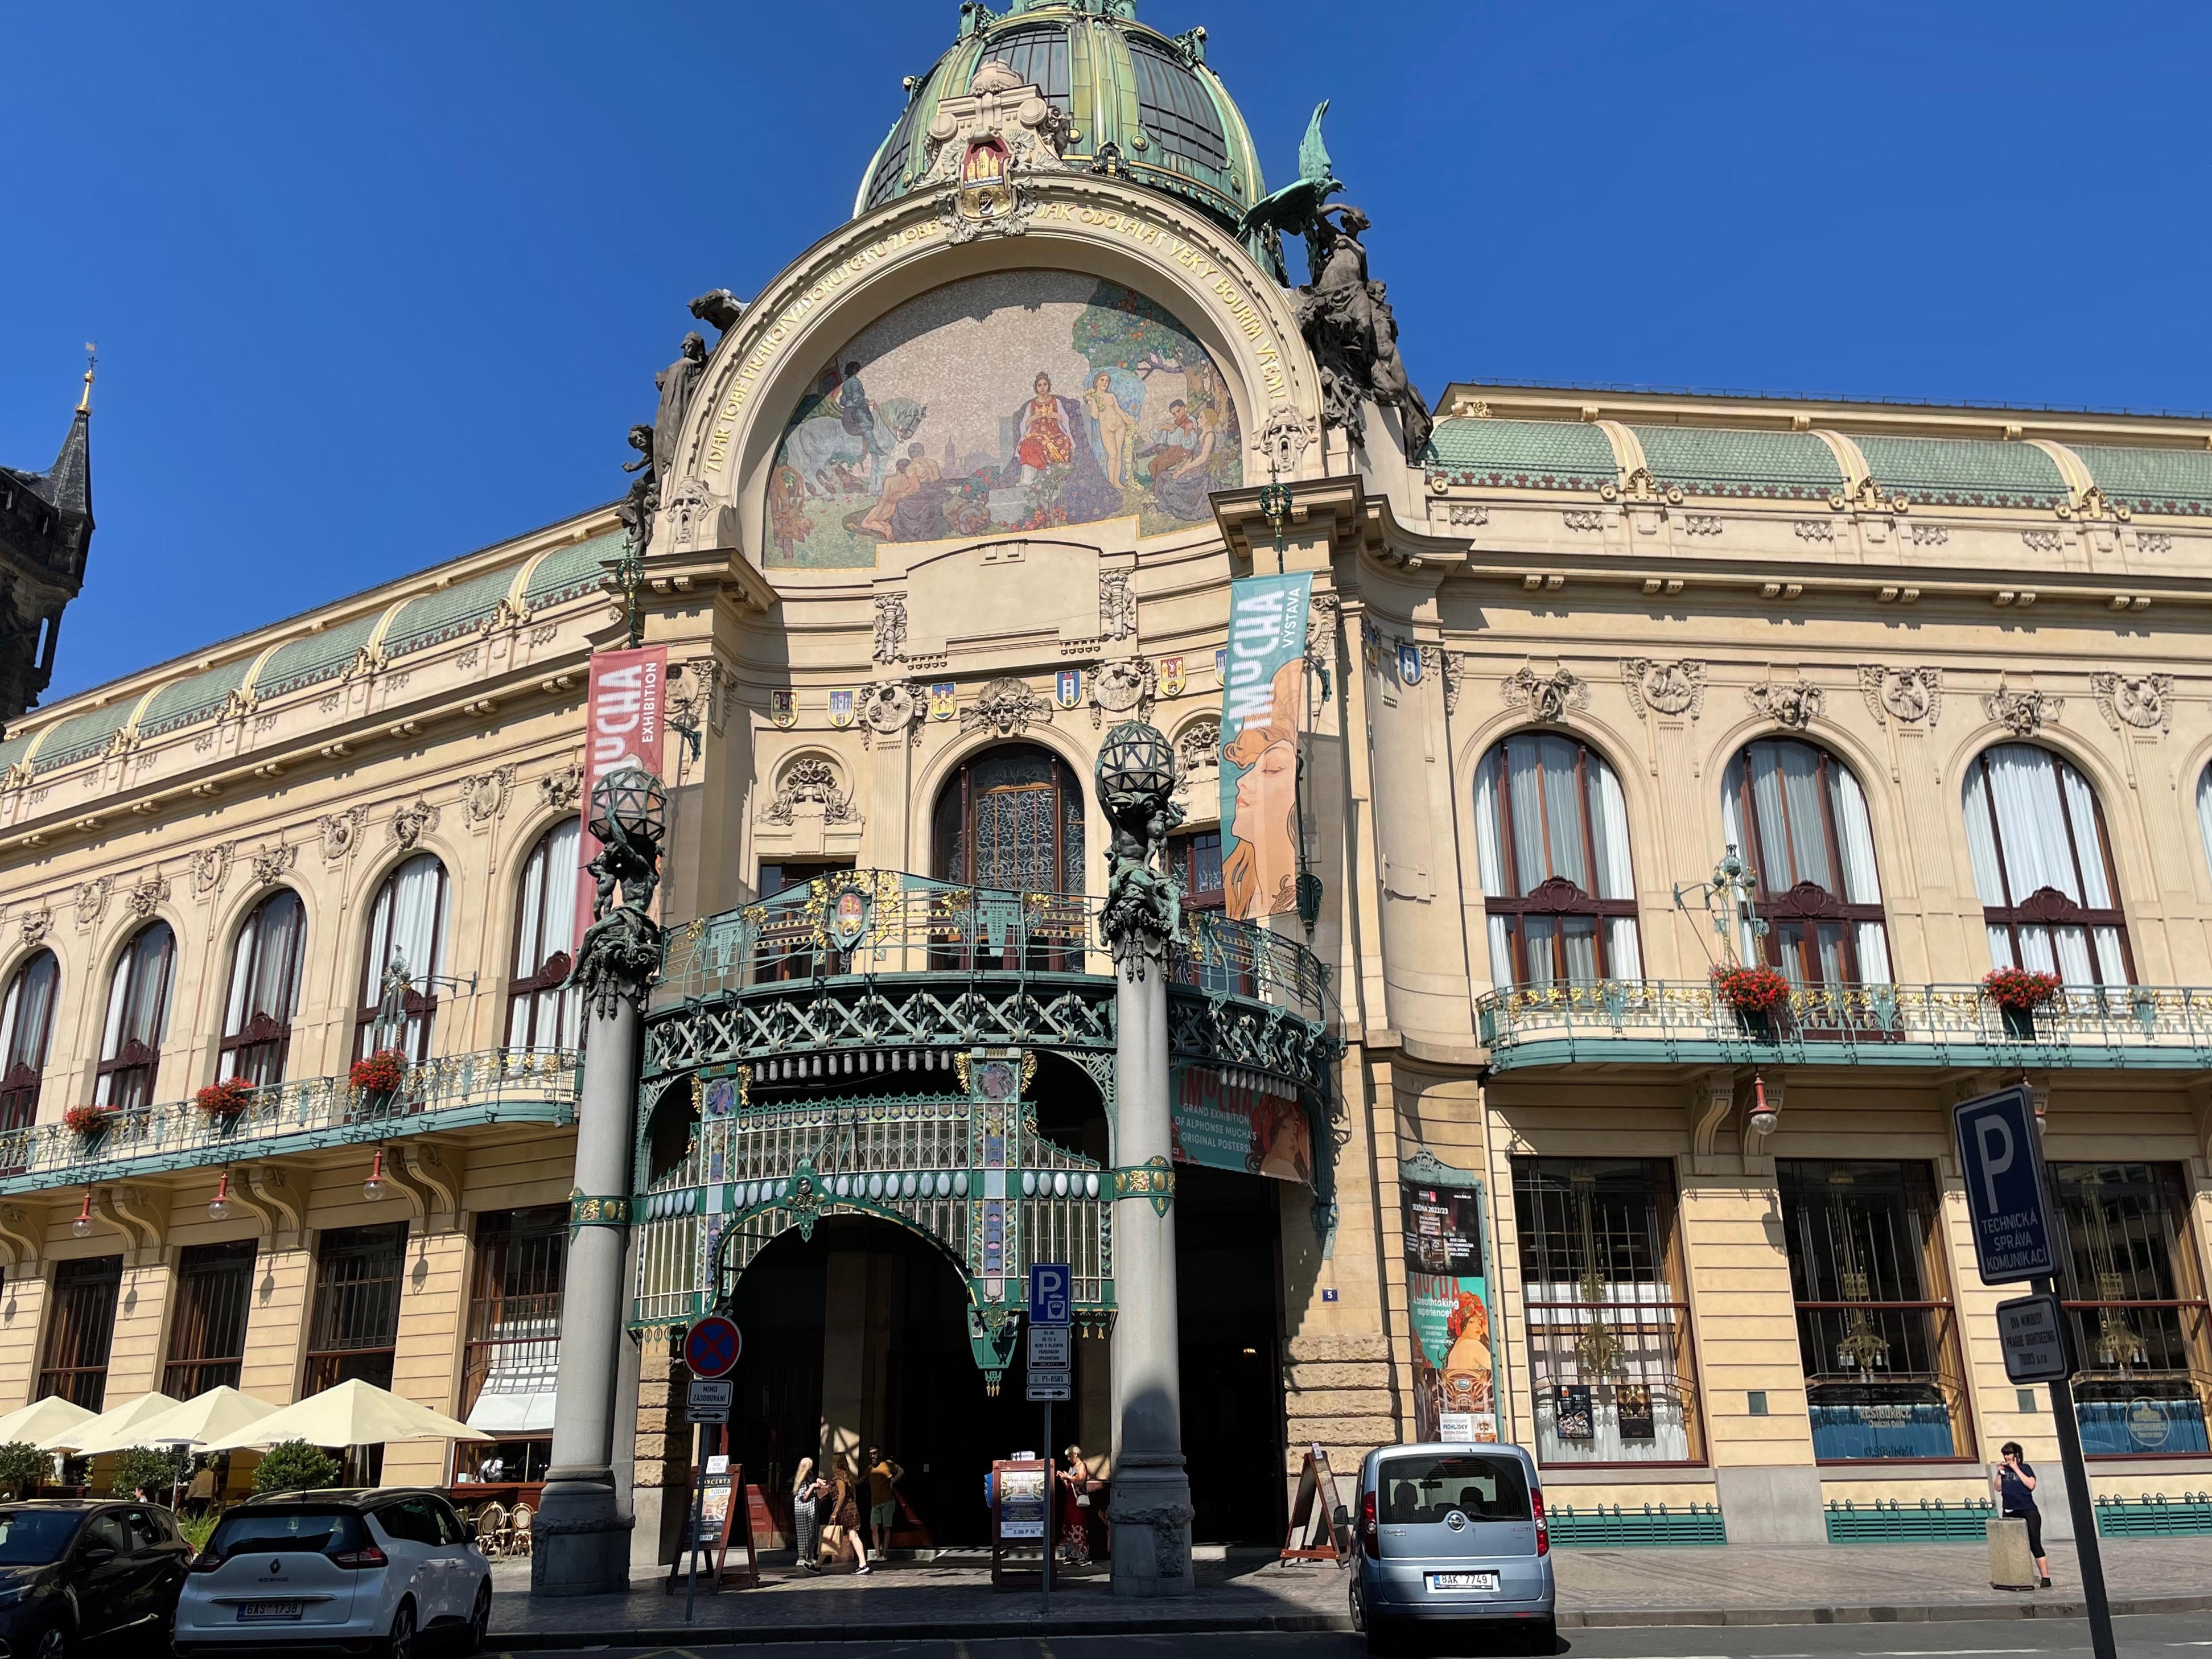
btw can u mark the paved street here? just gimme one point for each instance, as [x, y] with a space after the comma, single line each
[2163, 1636]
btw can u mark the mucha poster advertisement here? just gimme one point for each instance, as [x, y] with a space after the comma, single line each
[1446, 1282]
[1263, 706]
[1241, 1120]
[623, 703]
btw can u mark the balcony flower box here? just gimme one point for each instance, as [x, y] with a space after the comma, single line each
[224, 1103]
[90, 1121]
[377, 1078]
[2018, 993]
[1754, 994]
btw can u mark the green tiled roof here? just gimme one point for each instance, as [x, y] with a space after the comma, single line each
[14, 750]
[81, 736]
[2178, 482]
[189, 700]
[320, 657]
[446, 614]
[1523, 454]
[1721, 461]
[568, 571]
[1964, 471]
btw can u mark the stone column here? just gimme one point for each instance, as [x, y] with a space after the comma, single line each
[1151, 1510]
[581, 1535]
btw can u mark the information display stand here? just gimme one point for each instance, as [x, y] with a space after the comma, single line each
[722, 1516]
[1315, 1507]
[1021, 1515]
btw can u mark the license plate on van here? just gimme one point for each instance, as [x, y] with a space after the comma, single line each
[258, 1613]
[1462, 1580]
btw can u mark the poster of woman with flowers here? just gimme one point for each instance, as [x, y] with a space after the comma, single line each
[1455, 1376]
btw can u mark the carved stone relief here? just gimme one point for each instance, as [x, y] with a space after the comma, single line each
[210, 866]
[1548, 698]
[410, 820]
[1907, 695]
[809, 779]
[145, 894]
[1466, 514]
[92, 901]
[1284, 439]
[270, 863]
[1007, 706]
[1321, 632]
[1795, 706]
[889, 709]
[890, 628]
[486, 796]
[2144, 701]
[2022, 713]
[1444, 667]
[1127, 687]
[706, 694]
[1117, 605]
[338, 831]
[562, 789]
[1199, 749]
[1668, 688]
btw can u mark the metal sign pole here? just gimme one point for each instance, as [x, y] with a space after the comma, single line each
[1051, 1507]
[2081, 1505]
[698, 1518]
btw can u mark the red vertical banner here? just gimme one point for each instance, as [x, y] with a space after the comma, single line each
[623, 712]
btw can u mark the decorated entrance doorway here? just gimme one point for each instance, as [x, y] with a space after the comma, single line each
[1228, 1275]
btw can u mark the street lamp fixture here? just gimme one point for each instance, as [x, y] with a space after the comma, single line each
[84, 1225]
[372, 1190]
[630, 805]
[1136, 766]
[219, 1207]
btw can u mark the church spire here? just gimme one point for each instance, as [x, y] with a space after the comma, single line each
[67, 483]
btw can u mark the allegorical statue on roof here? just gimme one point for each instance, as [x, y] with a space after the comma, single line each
[677, 383]
[1346, 318]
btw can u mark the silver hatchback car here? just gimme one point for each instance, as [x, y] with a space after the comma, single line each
[1452, 1535]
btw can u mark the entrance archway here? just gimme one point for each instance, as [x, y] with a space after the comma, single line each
[1228, 1291]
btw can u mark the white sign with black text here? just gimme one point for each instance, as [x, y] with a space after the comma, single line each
[2033, 1331]
[710, 1399]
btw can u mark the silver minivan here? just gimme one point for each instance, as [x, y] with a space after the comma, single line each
[1452, 1534]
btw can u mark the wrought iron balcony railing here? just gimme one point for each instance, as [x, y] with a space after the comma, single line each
[865, 922]
[2128, 1025]
[446, 1092]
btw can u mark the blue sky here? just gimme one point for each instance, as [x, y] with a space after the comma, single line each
[376, 284]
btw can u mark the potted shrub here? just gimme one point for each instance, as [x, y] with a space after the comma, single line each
[377, 1079]
[90, 1121]
[223, 1102]
[295, 1466]
[2018, 993]
[22, 1467]
[1754, 992]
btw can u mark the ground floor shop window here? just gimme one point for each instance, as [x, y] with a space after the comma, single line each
[1602, 1280]
[1877, 1331]
[503, 1462]
[79, 1329]
[356, 1327]
[514, 1359]
[2136, 1303]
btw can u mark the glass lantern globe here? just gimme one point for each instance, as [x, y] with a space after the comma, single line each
[1136, 760]
[219, 1207]
[631, 797]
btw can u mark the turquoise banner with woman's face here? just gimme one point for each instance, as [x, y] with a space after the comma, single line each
[1263, 708]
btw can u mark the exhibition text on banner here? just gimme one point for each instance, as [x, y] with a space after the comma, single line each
[623, 708]
[1262, 707]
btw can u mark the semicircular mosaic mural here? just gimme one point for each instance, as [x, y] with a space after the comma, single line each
[1021, 400]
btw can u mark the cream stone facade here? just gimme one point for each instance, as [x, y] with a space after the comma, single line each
[1721, 1261]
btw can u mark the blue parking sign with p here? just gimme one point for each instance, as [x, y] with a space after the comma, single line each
[2002, 1162]
[1051, 1291]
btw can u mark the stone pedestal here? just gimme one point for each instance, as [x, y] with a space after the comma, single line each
[2011, 1567]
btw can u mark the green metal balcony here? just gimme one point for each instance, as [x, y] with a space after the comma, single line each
[1649, 1020]
[447, 1093]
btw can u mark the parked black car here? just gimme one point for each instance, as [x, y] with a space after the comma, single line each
[76, 1571]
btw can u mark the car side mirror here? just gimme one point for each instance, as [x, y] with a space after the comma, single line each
[99, 1555]
[1341, 1519]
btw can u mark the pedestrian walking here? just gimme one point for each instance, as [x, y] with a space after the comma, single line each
[845, 1521]
[808, 1495]
[883, 1498]
[2015, 1484]
[1073, 1487]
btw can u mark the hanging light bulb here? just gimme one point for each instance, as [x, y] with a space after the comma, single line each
[219, 1206]
[82, 1225]
[372, 1188]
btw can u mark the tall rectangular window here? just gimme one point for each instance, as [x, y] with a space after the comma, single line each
[207, 1335]
[355, 1328]
[2136, 1303]
[1877, 1331]
[1602, 1286]
[79, 1329]
[514, 1322]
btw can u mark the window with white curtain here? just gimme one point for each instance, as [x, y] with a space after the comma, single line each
[543, 1011]
[1802, 821]
[265, 990]
[27, 1030]
[2044, 868]
[1552, 836]
[137, 1018]
[406, 931]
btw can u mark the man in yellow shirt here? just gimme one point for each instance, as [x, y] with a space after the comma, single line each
[883, 1500]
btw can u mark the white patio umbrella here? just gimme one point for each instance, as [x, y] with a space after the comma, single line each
[110, 1424]
[203, 1417]
[354, 1414]
[34, 1422]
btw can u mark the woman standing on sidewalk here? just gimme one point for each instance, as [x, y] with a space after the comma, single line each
[2016, 1482]
[845, 1516]
[806, 1496]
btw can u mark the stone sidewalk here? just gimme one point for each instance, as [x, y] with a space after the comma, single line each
[1735, 1584]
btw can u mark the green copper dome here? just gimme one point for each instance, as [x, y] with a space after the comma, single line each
[1168, 119]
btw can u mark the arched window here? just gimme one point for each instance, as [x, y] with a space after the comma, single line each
[27, 1029]
[2044, 868]
[540, 1013]
[265, 989]
[1802, 821]
[138, 1018]
[1012, 818]
[406, 931]
[1552, 835]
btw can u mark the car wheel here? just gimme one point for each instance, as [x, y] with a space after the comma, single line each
[53, 1644]
[401, 1643]
[1358, 1605]
[480, 1620]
